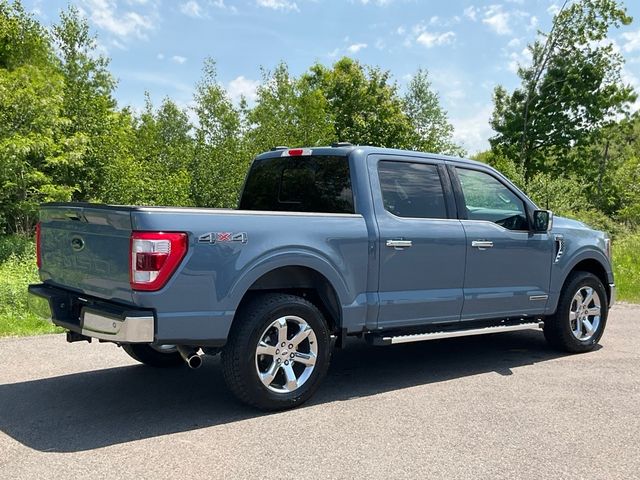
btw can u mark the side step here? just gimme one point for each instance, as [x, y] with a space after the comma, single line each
[421, 337]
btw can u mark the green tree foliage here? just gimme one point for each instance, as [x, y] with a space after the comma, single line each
[88, 107]
[572, 89]
[288, 112]
[363, 102]
[220, 160]
[432, 131]
[31, 141]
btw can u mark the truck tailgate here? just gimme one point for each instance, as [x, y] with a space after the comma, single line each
[86, 248]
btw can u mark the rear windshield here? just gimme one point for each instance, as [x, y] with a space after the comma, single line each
[299, 184]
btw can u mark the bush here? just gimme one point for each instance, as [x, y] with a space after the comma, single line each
[626, 267]
[17, 271]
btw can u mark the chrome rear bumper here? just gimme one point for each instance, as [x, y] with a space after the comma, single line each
[96, 319]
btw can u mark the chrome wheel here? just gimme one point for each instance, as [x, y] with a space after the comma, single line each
[286, 354]
[584, 313]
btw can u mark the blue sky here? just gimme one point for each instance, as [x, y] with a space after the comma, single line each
[468, 46]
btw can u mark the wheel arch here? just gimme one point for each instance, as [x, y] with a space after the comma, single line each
[301, 281]
[299, 273]
[594, 266]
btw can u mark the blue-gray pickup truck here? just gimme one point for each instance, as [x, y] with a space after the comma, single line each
[327, 242]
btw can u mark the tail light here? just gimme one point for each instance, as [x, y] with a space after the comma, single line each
[38, 247]
[154, 257]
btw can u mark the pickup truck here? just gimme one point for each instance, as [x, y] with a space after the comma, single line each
[327, 242]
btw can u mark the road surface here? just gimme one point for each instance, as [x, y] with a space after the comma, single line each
[499, 406]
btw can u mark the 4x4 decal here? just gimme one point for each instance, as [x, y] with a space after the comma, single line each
[223, 237]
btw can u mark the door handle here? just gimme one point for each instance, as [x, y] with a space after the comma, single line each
[399, 244]
[482, 244]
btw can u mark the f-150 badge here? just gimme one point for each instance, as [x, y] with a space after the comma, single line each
[223, 237]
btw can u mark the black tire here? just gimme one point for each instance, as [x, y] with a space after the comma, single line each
[239, 356]
[558, 329]
[144, 353]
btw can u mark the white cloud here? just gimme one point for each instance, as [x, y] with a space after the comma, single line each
[376, 2]
[179, 59]
[631, 41]
[380, 44]
[473, 132]
[356, 47]
[518, 58]
[192, 9]
[471, 13]
[513, 43]
[497, 19]
[278, 4]
[553, 9]
[160, 56]
[105, 15]
[533, 22]
[333, 53]
[241, 86]
[430, 40]
[401, 30]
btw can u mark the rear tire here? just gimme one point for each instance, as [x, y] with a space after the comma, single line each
[153, 356]
[277, 353]
[580, 319]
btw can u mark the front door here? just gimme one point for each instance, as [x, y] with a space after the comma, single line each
[421, 244]
[508, 267]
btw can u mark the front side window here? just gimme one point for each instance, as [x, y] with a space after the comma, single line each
[412, 189]
[486, 198]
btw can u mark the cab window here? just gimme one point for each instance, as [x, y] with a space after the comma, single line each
[486, 198]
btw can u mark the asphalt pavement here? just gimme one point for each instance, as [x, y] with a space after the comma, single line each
[498, 406]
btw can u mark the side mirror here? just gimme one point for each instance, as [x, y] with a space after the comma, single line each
[542, 221]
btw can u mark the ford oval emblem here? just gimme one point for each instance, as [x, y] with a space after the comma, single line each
[77, 244]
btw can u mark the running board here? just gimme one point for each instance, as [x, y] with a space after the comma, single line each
[421, 337]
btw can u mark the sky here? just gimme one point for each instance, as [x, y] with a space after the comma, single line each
[468, 46]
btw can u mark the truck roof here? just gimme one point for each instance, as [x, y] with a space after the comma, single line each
[365, 150]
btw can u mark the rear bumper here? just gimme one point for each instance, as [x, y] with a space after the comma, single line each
[90, 317]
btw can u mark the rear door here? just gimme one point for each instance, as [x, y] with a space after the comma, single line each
[421, 245]
[86, 248]
[508, 267]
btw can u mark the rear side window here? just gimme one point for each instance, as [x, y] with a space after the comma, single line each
[412, 189]
[299, 184]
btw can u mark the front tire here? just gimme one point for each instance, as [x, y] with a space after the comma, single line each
[580, 319]
[277, 353]
[161, 356]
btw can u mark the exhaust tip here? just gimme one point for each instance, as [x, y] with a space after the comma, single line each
[195, 361]
[190, 356]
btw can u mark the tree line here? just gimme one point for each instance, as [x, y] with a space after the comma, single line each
[566, 135]
[64, 138]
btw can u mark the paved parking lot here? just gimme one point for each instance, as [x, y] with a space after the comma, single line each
[502, 406]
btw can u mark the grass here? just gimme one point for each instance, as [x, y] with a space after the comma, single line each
[626, 267]
[18, 269]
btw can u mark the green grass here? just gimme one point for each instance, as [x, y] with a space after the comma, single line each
[626, 267]
[18, 269]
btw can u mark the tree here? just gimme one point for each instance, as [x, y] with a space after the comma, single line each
[571, 89]
[88, 104]
[288, 112]
[363, 102]
[31, 147]
[432, 131]
[220, 159]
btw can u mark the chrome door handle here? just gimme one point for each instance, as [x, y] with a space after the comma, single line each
[399, 244]
[482, 244]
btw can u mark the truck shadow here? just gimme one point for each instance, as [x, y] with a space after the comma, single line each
[95, 409]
